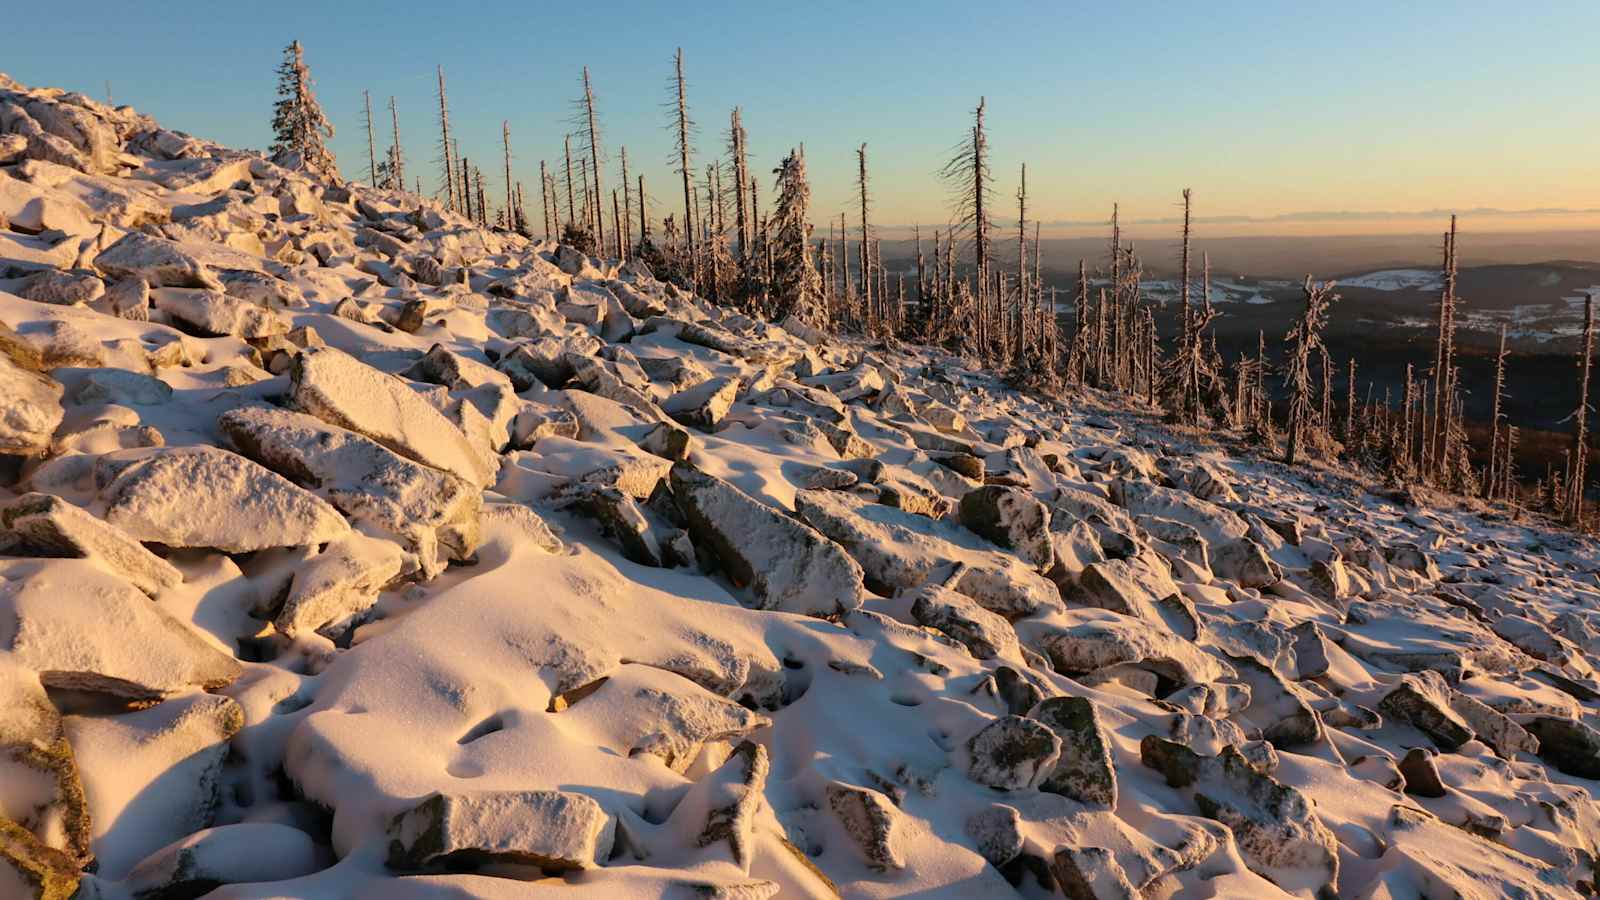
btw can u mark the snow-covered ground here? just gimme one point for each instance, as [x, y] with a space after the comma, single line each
[1396, 280]
[359, 552]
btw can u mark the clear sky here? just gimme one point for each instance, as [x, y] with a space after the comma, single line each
[1268, 108]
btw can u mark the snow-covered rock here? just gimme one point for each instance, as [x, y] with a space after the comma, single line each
[205, 497]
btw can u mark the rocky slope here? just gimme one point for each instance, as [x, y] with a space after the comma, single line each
[348, 550]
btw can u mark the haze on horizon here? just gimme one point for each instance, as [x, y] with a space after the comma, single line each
[1367, 119]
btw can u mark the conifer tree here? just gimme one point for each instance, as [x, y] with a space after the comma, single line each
[299, 126]
[796, 288]
[1304, 339]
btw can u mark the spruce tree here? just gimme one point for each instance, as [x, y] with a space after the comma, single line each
[796, 288]
[298, 123]
[1304, 339]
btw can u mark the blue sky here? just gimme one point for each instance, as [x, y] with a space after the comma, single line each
[1264, 108]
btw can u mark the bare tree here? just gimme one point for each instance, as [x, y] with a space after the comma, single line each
[866, 258]
[1578, 473]
[397, 166]
[683, 126]
[505, 138]
[1491, 479]
[967, 174]
[372, 153]
[591, 124]
[446, 147]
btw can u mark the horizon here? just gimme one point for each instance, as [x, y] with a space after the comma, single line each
[1262, 167]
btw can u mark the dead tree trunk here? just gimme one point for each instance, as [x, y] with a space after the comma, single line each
[397, 171]
[1578, 475]
[447, 156]
[372, 153]
[594, 157]
[1491, 481]
[685, 171]
[505, 138]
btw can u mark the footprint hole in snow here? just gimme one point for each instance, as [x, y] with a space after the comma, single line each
[483, 729]
[796, 682]
[941, 738]
[903, 698]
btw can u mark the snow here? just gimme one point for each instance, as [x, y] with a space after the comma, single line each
[275, 588]
[1395, 280]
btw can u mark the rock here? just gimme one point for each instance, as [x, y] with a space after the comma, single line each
[343, 391]
[153, 776]
[44, 525]
[1423, 700]
[1420, 773]
[1132, 587]
[1245, 562]
[433, 513]
[869, 819]
[1102, 643]
[997, 833]
[230, 854]
[1412, 559]
[205, 497]
[335, 587]
[44, 795]
[1013, 519]
[1012, 753]
[454, 371]
[900, 551]
[126, 299]
[983, 633]
[1500, 732]
[84, 630]
[548, 830]
[1018, 693]
[785, 565]
[1084, 770]
[1274, 825]
[215, 314]
[862, 381]
[63, 288]
[1091, 873]
[621, 520]
[157, 261]
[30, 402]
[722, 807]
[1329, 580]
[122, 387]
[703, 405]
[668, 441]
[32, 869]
[1571, 746]
[964, 464]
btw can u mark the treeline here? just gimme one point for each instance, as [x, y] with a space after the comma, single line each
[770, 263]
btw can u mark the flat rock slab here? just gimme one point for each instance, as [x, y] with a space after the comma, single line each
[548, 830]
[786, 565]
[434, 512]
[45, 525]
[205, 497]
[84, 630]
[343, 391]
